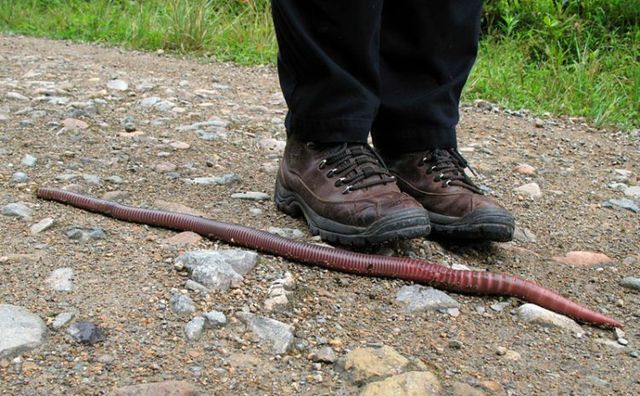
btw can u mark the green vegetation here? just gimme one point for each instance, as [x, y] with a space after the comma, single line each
[573, 57]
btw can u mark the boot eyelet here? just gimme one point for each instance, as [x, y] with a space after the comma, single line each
[339, 182]
[347, 190]
[322, 164]
[446, 183]
[332, 172]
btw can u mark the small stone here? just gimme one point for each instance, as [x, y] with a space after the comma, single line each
[215, 319]
[538, 123]
[290, 233]
[16, 96]
[85, 233]
[219, 180]
[29, 160]
[129, 124]
[324, 355]
[61, 279]
[615, 186]
[455, 344]
[165, 388]
[255, 211]
[500, 306]
[406, 384]
[92, 179]
[116, 195]
[17, 209]
[62, 319]
[462, 389]
[531, 190]
[251, 196]
[534, 314]
[157, 103]
[42, 225]
[182, 305]
[365, 364]
[145, 86]
[211, 136]
[117, 85]
[272, 145]
[524, 235]
[277, 335]
[623, 341]
[525, 169]
[633, 192]
[631, 283]
[195, 328]
[621, 175]
[20, 330]
[584, 259]
[195, 286]
[183, 239]
[418, 298]
[86, 333]
[72, 123]
[622, 203]
[218, 269]
[19, 177]
[178, 145]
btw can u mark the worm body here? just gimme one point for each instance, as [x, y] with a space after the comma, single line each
[474, 282]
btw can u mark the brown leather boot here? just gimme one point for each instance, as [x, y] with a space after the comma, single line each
[346, 194]
[457, 207]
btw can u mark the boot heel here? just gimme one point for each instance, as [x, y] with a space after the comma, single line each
[286, 201]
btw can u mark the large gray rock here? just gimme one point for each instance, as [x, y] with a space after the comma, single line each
[218, 269]
[418, 298]
[278, 335]
[20, 330]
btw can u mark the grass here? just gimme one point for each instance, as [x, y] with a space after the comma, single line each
[575, 57]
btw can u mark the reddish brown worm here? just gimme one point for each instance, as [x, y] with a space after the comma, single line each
[474, 282]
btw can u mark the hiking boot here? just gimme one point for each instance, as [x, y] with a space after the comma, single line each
[346, 194]
[457, 207]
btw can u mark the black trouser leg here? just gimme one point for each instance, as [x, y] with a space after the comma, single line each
[427, 51]
[328, 66]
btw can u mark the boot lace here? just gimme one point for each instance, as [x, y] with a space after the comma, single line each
[449, 166]
[357, 166]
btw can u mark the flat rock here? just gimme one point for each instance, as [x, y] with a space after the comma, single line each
[535, 314]
[525, 169]
[218, 269]
[61, 279]
[117, 85]
[418, 298]
[324, 355]
[251, 196]
[195, 328]
[531, 190]
[225, 179]
[406, 384]
[16, 96]
[631, 283]
[524, 235]
[583, 259]
[215, 319]
[85, 233]
[156, 103]
[277, 335]
[633, 192]
[366, 364]
[62, 319]
[622, 203]
[621, 175]
[42, 225]
[17, 209]
[86, 333]
[19, 177]
[164, 388]
[291, 233]
[20, 330]
[183, 238]
[72, 123]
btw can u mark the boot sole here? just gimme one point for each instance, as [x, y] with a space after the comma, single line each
[406, 224]
[483, 224]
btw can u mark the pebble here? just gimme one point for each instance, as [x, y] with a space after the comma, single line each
[218, 269]
[622, 203]
[29, 160]
[17, 209]
[500, 306]
[291, 233]
[538, 123]
[195, 286]
[525, 169]
[631, 283]
[535, 314]
[406, 384]
[145, 86]
[116, 195]
[633, 192]
[251, 196]
[129, 124]
[16, 96]
[92, 179]
[85, 233]
[277, 335]
[531, 190]
[86, 333]
[21, 330]
[273, 145]
[621, 175]
[212, 123]
[178, 145]
[164, 388]
[324, 355]
[215, 319]
[19, 177]
[255, 211]
[615, 186]
[62, 319]
[583, 259]
[181, 304]
[219, 180]
[524, 235]
[61, 279]
[418, 298]
[156, 103]
[117, 85]
[195, 328]
[462, 389]
[73, 123]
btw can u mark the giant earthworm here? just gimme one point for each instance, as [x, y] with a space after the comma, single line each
[476, 282]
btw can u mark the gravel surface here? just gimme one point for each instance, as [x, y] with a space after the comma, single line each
[152, 130]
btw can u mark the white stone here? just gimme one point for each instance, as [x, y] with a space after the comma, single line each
[61, 279]
[20, 330]
[531, 190]
[535, 314]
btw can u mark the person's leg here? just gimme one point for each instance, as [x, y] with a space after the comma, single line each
[328, 67]
[427, 51]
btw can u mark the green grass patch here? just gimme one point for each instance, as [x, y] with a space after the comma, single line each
[570, 57]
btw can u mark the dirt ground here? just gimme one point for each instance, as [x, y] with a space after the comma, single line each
[123, 282]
